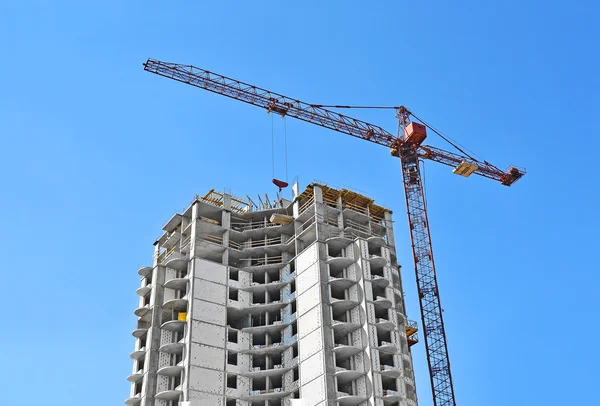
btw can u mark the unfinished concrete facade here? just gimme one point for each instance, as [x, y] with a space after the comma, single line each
[252, 306]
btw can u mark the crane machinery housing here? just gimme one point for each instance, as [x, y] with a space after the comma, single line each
[408, 146]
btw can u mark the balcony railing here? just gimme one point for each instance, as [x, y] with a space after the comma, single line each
[255, 244]
[252, 226]
[306, 205]
[261, 346]
[216, 239]
[263, 261]
[330, 202]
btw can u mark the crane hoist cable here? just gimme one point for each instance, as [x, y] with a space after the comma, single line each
[278, 182]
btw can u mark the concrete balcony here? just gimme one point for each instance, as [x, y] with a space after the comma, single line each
[275, 327]
[170, 394]
[144, 290]
[402, 320]
[265, 394]
[269, 246]
[179, 283]
[171, 370]
[272, 286]
[138, 354]
[387, 348]
[262, 264]
[257, 372]
[172, 348]
[142, 310]
[338, 243]
[341, 283]
[342, 305]
[171, 239]
[173, 325]
[136, 376]
[382, 302]
[176, 304]
[134, 400]
[141, 330]
[343, 351]
[376, 242]
[209, 247]
[391, 396]
[345, 376]
[377, 261]
[380, 281]
[266, 307]
[269, 349]
[356, 213]
[260, 229]
[145, 271]
[389, 371]
[346, 399]
[339, 263]
[377, 228]
[384, 324]
[343, 328]
[176, 261]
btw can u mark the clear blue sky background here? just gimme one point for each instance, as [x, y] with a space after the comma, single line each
[97, 154]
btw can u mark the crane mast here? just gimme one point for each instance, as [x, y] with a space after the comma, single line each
[429, 299]
[408, 147]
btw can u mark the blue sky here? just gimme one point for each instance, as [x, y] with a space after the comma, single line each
[97, 154]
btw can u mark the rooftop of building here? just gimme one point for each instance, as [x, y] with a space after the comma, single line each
[239, 205]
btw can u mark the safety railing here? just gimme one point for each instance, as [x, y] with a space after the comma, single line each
[186, 242]
[330, 202]
[256, 243]
[306, 224]
[357, 226]
[216, 239]
[210, 221]
[332, 221]
[165, 254]
[263, 260]
[306, 205]
[352, 206]
[252, 226]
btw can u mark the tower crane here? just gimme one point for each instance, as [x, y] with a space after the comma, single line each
[408, 146]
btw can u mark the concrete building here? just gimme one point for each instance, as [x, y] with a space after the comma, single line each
[301, 303]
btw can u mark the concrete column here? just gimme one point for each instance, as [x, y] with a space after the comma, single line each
[188, 330]
[389, 229]
[153, 335]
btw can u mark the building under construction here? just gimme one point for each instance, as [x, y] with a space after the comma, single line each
[253, 305]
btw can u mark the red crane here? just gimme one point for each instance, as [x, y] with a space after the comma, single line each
[409, 148]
